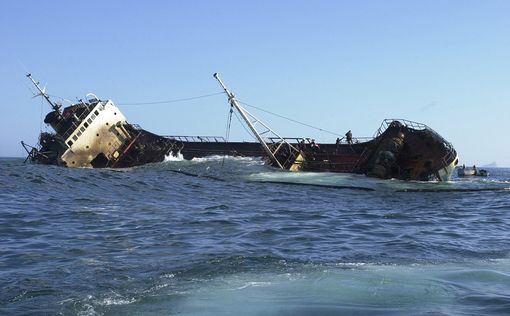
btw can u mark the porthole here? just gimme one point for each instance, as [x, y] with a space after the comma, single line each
[97, 135]
[106, 124]
[87, 147]
[73, 162]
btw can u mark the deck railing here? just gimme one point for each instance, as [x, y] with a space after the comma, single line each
[203, 139]
[295, 140]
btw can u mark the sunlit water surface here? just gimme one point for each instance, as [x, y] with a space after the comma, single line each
[230, 236]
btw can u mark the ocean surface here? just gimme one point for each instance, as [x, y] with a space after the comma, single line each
[230, 236]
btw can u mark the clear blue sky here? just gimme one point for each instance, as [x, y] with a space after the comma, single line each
[338, 65]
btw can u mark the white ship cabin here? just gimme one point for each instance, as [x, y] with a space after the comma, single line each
[99, 132]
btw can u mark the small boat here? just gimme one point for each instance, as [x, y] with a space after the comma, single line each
[471, 171]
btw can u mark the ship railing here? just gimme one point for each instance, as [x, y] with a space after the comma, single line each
[356, 140]
[198, 139]
[186, 138]
[450, 155]
[136, 126]
[308, 140]
[275, 140]
[410, 124]
[406, 123]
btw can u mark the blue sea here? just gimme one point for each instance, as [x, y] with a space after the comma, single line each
[231, 236]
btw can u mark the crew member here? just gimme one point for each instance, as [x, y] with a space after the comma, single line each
[348, 136]
[315, 146]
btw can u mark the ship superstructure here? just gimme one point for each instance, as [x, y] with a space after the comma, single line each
[95, 133]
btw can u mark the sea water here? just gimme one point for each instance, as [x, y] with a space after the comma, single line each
[231, 236]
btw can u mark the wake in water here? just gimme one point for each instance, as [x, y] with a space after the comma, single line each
[289, 288]
[254, 170]
[346, 288]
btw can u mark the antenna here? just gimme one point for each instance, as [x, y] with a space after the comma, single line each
[42, 92]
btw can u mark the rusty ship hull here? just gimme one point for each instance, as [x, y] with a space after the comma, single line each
[401, 149]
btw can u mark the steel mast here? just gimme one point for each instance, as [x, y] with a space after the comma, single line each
[42, 92]
[246, 117]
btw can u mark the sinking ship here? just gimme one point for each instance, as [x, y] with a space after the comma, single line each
[94, 133]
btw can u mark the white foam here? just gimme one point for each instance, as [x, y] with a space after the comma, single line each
[253, 284]
[88, 311]
[167, 276]
[225, 157]
[171, 157]
[116, 301]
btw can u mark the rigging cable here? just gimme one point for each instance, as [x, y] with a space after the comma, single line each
[227, 132]
[245, 128]
[289, 119]
[218, 93]
[171, 101]
[41, 120]
[153, 102]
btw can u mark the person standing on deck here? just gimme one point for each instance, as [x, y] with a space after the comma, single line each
[315, 147]
[348, 137]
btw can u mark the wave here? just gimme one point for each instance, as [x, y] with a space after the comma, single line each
[254, 170]
[172, 157]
